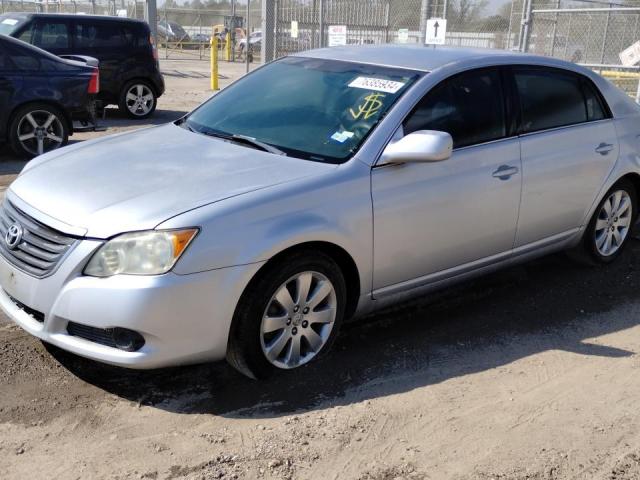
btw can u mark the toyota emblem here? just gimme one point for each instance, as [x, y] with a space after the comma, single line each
[13, 236]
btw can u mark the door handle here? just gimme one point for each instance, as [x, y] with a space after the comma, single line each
[505, 172]
[604, 148]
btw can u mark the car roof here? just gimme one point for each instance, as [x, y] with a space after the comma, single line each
[416, 57]
[69, 16]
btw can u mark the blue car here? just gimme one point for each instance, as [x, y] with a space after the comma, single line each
[41, 95]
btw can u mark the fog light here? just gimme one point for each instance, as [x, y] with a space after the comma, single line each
[127, 340]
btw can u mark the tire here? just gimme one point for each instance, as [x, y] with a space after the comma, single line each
[37, 128]
[138, 99]
[607, 235]
[264, 333]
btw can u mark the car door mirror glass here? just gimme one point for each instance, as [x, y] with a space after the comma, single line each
[420, 146]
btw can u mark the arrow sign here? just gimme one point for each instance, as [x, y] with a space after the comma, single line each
[436, 31]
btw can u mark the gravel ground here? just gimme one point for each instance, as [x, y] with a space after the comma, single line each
[529, 373]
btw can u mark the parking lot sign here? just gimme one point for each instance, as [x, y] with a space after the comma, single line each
[337, 35]
[436, 31]
[630, 56]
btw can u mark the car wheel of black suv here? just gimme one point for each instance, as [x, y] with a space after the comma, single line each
[138, 99]
[37, 128]
[288, 316]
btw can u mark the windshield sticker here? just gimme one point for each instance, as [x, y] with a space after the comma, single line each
[9, 21]
[342, 137]
[377, 84]
[371, 106]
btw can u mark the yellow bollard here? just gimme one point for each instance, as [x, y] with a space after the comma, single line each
[227, 50]
[214, 62]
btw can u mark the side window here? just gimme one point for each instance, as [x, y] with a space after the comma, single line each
[51, 35]
[26, 35]
[595, 109]
[468, 106]
[549, 99]
[99, 35]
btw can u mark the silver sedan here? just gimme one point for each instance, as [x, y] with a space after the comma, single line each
[319, 187]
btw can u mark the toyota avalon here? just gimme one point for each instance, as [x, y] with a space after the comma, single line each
[319, 187]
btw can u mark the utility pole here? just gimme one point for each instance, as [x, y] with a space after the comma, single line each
[424, 16]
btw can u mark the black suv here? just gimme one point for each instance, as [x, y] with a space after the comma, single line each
[129, 72]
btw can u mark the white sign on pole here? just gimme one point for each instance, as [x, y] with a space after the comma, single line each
[630, 56]
[294, 29]
[403, 35]
[121, 12]
[337, 35]
[436, 31]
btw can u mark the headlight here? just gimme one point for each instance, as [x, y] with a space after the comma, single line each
[140, 253]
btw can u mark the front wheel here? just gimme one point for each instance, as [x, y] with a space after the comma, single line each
[138, 99]
[288, 316]
[610, 227]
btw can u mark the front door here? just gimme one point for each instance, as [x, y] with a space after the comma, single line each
[432, 217]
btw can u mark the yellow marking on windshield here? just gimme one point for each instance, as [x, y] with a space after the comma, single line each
[372, 104]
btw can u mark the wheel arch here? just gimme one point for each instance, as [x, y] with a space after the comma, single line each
[65, 114]
[343, 259]
[138, 78]
[634, 178]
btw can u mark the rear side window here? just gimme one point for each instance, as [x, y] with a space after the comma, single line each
[595, 108]
[468, 106]
[552, 98]
[100, 35]
[51, 35]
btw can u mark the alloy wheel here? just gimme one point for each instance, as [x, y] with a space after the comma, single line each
[139, 99]
[298, 320]
[613, 223]
[40, 131]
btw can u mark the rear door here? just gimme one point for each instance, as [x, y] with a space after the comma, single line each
[569, 147]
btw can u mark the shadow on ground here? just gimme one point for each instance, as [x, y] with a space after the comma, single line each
[544, 305]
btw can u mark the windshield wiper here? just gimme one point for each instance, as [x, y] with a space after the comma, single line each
[246, 140]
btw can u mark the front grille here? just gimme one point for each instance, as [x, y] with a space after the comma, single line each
[103, 336]
[41, 248]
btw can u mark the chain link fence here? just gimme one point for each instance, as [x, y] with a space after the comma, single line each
[589, 32]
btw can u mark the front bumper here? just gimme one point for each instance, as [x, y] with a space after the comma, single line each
[183, 318]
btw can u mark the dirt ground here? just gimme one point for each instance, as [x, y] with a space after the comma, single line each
[530, 373]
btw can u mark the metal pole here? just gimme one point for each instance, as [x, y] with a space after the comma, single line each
[268, 27]
[555, 29]
[509, 43]
[606, 33]
[386, 22]
[446, 3]
[527, 27]
[321, 21]
[566, 43]
[152, 18]
[246, 30]
[424, 12]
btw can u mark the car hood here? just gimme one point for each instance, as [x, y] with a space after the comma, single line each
[138, 180]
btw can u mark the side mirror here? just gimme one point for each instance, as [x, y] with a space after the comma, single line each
[420, 146]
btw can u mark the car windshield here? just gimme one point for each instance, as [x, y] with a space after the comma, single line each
[9, 24]
[314, 109]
